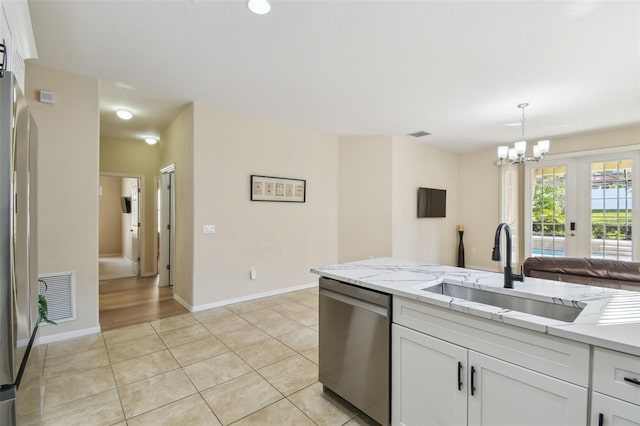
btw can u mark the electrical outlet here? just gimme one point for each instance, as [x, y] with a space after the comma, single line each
[473, 250]
[208, 229]
[252, 273]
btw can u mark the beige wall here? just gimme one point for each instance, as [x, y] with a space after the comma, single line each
[110, 216]
[480, 187]
[281, 240]
[431, 240]
[176, 147]
[68, 185]
[136, 158]
[365, 197]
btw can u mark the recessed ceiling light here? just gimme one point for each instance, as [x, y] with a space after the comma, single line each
[151, 141]
[259, 7]
[124, 114]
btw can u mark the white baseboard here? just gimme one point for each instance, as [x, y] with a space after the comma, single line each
[243, 298]
[111, 255]
[148, 274]
[181, 301]
[67, 335]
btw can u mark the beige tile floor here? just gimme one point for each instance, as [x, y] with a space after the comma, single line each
[252, 363]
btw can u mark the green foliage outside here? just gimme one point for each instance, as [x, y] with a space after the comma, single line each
[548, 208]
[548, 213]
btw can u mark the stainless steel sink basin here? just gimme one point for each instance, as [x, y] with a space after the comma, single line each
[516, 303]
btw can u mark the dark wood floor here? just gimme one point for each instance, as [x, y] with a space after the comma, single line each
[129, 301]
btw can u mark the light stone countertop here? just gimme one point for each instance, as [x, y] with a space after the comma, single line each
[610, 318]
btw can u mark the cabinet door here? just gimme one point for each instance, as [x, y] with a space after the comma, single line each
[607, 411]
[425, 386]
[501, 393]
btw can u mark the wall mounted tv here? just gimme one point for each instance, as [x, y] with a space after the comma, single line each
[432, 202]
[125, 203]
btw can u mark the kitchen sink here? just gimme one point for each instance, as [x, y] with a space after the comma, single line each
[516, 303]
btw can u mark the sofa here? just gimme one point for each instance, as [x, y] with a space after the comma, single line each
[597, 272]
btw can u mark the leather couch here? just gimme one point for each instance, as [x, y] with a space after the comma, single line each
[597, 272]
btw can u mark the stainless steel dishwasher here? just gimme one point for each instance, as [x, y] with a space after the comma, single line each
[354, 346]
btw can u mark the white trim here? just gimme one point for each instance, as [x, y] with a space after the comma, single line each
[243, 298]
[601, 151]
[148, 274]
[181, 301]
[66, 335]
[168, 169]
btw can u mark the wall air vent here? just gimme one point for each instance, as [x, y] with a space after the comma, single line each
[60, 295]
[419, 134]
[47, 97]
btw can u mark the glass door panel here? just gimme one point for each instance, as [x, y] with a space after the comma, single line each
[611, 209]
[548, 210]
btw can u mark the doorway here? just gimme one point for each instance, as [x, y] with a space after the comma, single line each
[120, 232]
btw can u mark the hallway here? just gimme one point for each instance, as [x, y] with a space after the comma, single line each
[135, 300]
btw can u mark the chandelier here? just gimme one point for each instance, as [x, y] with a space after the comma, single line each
[516, 155]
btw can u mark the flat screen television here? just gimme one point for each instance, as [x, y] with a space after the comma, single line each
[125, 203]
[432, 202]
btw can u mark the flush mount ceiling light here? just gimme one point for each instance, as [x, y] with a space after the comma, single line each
[259, 7]
[151, 140]
[124, 114]
[516, 155]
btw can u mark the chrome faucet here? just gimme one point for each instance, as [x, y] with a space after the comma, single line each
[509, 276]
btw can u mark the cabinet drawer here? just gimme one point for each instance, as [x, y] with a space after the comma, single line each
[607, 411]
[556, 357]
[617, 374]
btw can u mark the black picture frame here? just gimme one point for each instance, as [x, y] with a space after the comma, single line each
[277, 189]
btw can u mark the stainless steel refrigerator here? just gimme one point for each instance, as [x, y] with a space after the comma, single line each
[18, 244]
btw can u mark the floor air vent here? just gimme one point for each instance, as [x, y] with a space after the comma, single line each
[60, 294]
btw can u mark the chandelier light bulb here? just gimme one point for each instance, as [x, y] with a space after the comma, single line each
[512, 154]
[503, 151]
[544, 146]
[520, 147]
[536, 151]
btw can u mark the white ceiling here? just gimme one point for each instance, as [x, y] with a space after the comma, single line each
[455, 69]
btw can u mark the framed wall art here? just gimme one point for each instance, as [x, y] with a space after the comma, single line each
[269, 188]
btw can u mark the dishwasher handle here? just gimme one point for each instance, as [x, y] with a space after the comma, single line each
[354, 302]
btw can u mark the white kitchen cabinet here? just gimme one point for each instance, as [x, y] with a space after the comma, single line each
[616, 385]
[428, 380]
[440, 382]
[607, 411]
[501, 393]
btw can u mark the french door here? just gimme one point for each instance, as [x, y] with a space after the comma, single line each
[582, 207]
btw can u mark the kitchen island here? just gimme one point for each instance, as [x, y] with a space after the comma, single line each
[503, 362]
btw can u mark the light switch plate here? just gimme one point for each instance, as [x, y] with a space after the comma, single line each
[208, 229]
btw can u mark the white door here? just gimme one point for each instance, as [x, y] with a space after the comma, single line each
[607, 411]
[135, 229]
[550, 208]
[582, 207]
[428, 380]
[607, 186]
[503, 394]
[166, 229]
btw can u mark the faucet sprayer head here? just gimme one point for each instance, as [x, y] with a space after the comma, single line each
[495, 254]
